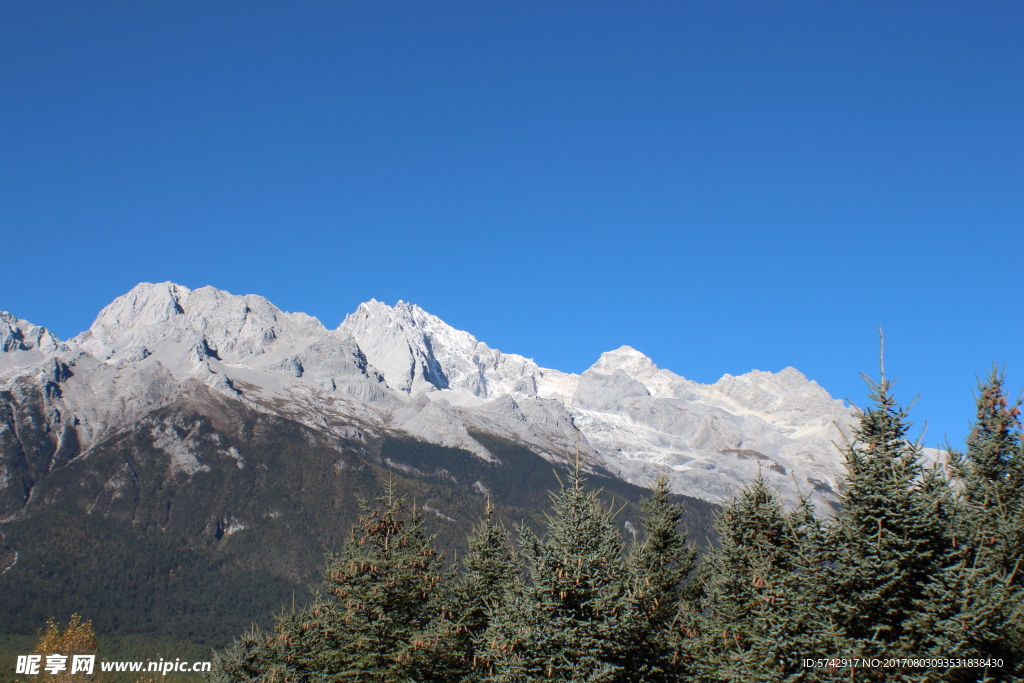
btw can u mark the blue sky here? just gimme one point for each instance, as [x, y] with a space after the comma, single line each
[724, 186]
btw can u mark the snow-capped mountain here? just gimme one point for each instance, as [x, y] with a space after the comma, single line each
[399, 369]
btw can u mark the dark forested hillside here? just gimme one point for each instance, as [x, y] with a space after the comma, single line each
[208, 515]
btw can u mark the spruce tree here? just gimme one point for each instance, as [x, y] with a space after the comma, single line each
[256, 657]
[658, 566]
[991, 472]
[381, 618]
[488, 571]
[758, 616]
[974, 609]
[569, 619]
[888, 538]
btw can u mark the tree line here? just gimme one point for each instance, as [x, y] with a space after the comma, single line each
[919, 576]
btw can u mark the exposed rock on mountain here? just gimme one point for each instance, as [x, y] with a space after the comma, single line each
[401, 370]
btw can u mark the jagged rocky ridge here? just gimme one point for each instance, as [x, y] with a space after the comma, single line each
[401, 371]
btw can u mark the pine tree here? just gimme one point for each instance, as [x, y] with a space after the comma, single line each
[658, 566]
[569, 619]
[256, 657]
[488, 572]
[974, 609]
[759, 617]
[888, 538]
[382, 616]
[992, 476]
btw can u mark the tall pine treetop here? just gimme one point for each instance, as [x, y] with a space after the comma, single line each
[994, 459]
[888, 538]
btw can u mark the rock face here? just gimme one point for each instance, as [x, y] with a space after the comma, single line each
[417, 353]
[20, 335]
[400, 370]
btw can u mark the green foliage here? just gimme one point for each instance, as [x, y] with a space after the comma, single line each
[924, 564]
[129, 582]
[569, 618]
[382, 615]
[916, 564]
[488, 572]
[257, 657]
[992, 476]
[993, 469]
[975, 605]
[888, 538]
[658, 567]
[758, 615]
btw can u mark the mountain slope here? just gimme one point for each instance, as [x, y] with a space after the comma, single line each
[207, 514]
[401, 369]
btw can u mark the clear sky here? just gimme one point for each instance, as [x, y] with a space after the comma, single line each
[722, 185]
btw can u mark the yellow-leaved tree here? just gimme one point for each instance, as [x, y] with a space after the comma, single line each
[77, 638]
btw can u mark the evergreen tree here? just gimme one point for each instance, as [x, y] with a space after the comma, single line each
[256, 657]
[888, 538]
[974, 609]
[993, 446]
[488, 571]
[570, 618]
[992, 476]
[382, 617]
[759, 617]
[657, 568]
[969, 612]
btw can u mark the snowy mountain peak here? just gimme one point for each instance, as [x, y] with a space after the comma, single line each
[21, 335]
[401, 368]
[794, 405]
[146, 304]
[417, 352]
[629, 360]
[166, 313]
[791, 375]
[770, 392]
